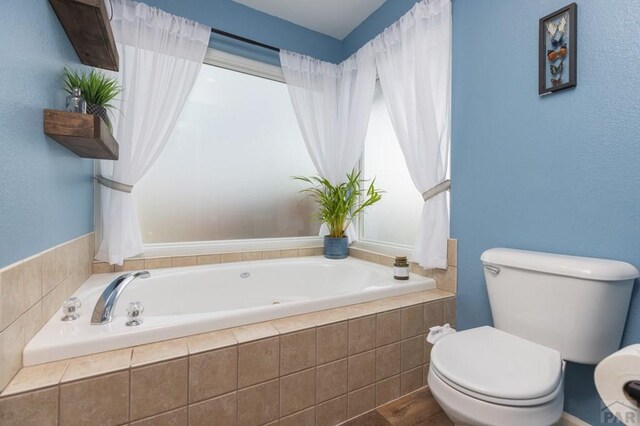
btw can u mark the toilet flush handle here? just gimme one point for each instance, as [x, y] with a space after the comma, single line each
[493, 269]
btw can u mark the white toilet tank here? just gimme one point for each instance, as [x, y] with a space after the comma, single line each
[576, 305]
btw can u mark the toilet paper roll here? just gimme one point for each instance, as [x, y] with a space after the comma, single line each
[611, 376]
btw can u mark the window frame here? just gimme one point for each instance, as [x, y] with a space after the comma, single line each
[259, 69]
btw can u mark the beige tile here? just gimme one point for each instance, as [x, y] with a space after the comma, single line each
[332, 412]
[38, 408]
[259, 404]
[311, 251]
[36, 377]
[11, 345]
[297, 351]
[362, 310]
[297, 391]
[210, 341]
[208, 259]
[362, 334]
[331, 380]
[134, 265]
[32, 280]
[452, 252]
[52, 301]
[258, 361]
[387, 304]
[388, 361]
[279, 254]
[425, 375]
[433, 314]
[411, 380]
[365, 255]
[213, 373]
[224, 409]
[388, 327]
[12, 294]
[362, 370]
[159, 351]
[33, 321]
[387, 390]
[303, 418]
[158, 388]
[251, 255]
[412, 321]
[183, 261]
[105, 398]
[102, 268]
[411, 353]
[172, 418]
[51, 271]
[446, 279]
[248, 333]
[332, 342]
[414, 268]
[361, 401]
[230, 257]
[157, 262]
[450, 310]
[96, 364]
[331, 316]
[295, 323]
[426, 352]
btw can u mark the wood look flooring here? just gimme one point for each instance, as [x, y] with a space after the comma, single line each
[417, 408]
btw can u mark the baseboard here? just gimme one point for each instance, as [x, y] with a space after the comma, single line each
[570, 420]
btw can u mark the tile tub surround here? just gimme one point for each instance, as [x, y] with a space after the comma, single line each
[446, 279]
[32, 290]
[326, 367]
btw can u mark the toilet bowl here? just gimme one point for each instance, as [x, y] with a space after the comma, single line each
[546, 308]
[484, 376]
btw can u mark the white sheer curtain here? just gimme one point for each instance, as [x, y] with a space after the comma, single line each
[413, 58]
[160, 57]
[332, 104]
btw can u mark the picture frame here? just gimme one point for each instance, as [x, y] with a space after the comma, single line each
[558, 50]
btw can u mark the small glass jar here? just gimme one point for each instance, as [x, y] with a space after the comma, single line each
[401, 268]
[75, 103]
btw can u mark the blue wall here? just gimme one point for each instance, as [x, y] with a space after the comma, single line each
[46, 193]
[236, 18]
[558, 173]
[385, 15]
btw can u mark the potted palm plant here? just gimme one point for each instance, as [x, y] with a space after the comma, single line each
[338, 206]
[96, 89]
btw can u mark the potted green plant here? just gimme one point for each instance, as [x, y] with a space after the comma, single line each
[338, 206]
[96, 89]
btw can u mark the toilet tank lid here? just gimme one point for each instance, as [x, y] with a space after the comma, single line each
[560, 264]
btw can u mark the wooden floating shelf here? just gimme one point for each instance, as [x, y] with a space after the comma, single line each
[84, 134]
[86, 23]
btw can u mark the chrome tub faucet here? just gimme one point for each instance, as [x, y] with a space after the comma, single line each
[103, 311]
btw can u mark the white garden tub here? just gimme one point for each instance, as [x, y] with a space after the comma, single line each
[184, 301]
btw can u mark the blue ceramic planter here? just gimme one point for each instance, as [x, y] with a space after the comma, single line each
[336, 248]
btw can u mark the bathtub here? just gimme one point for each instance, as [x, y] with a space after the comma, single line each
[184, 301]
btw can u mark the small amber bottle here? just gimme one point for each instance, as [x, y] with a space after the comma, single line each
[401, 268]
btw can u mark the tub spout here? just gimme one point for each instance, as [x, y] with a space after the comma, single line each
[103, 312]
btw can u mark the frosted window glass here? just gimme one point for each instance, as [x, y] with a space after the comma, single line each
[226, 171]
[395, 218]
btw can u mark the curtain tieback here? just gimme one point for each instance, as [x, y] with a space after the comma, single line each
[437, 189]
[112, 184]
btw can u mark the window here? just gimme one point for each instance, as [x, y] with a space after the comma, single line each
[395, 218]
[225, 173]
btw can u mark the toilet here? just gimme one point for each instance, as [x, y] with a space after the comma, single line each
[547, 309]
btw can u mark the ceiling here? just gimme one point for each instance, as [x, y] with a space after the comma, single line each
[335, 18]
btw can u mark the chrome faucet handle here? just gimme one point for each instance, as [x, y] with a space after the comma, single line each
[134, 314]
[70, 309]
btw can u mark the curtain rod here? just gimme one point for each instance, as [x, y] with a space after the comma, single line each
[244, 39]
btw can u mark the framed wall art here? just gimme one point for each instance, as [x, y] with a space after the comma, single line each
[558, 50]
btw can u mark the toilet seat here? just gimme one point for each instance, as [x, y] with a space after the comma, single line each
[493, 366]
